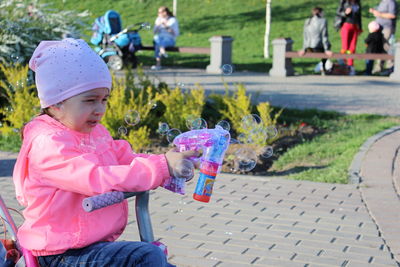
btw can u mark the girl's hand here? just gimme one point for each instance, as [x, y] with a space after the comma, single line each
[174, 158]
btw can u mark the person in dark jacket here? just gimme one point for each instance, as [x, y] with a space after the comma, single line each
[349, 11]
[374, 42]
[316, 35]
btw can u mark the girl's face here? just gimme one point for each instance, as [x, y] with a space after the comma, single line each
[84, 111]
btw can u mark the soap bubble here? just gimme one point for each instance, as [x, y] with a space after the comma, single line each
[267, 152]
[198, 124]
[272, 132]
[246, 159]
[227, 69]
[122, 130]
[189, 121]
[132, 117]
[163, 128]
[242, 138]
[184, 169]
[172, 133]
[234, 141]
[249, 121]
[224, 125]
[258, 134]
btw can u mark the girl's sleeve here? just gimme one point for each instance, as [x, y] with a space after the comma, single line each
[124, 152]
[57, 161]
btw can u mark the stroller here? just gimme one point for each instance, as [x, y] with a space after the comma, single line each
[115, 45]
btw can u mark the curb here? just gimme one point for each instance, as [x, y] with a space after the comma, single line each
[355, 166]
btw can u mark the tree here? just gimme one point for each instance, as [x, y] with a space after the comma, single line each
[267, 28]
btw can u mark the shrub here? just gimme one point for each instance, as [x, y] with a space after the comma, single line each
[21, 96]
[125, 101]
[179, 106]
[237, 106]
[23, 24]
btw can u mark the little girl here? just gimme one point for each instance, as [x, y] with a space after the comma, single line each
[67, 156]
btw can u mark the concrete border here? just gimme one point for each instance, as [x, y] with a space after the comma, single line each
[355, 167]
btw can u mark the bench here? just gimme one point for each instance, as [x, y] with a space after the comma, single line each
[220, 52]
[282, 55]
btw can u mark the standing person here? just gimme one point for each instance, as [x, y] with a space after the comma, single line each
[349, 13]
[166, 30]
[374, 42]
[66, 156]
[386, 15]
[315, 35]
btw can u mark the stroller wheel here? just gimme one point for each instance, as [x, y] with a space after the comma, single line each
[115, 62]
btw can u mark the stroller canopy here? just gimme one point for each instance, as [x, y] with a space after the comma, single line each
[110, 23]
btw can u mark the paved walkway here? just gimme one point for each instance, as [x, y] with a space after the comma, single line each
[271, 221]
[350, 94]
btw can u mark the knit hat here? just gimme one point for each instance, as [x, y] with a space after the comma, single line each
[67, 68]
[373, 26]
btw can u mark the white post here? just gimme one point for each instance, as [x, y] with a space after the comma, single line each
[281, 66]
[175, 7]
[267, 28]
[395, 75]
[220, 54]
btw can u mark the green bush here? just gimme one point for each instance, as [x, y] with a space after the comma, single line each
[23, 24]
[21, 96]
[179, 105]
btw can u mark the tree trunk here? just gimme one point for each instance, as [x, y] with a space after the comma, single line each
[175, 7]
[267, 28]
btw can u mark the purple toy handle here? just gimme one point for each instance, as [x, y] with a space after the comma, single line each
[100, 201]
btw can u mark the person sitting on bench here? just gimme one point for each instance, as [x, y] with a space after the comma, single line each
[316, 35]
[166, 29]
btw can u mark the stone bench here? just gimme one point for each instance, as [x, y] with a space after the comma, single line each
[282, 54]
[220, 52]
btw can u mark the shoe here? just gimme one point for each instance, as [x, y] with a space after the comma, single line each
[155, 67]
[352, 71]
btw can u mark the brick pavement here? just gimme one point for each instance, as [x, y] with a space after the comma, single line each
[258, 221]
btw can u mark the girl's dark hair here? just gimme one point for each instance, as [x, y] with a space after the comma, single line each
[166, 9]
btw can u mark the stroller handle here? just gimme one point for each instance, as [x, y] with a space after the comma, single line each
[135, 27]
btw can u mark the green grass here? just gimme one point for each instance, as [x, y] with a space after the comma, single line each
[243, 20]
[327, 157]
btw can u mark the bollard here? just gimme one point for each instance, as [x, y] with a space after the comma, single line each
[395, 75]
[220, 54]
[281, 66]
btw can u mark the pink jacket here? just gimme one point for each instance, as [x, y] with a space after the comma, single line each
[58, 167]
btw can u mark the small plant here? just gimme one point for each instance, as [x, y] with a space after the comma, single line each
[181, 105]
[23, 103]
[237, 107]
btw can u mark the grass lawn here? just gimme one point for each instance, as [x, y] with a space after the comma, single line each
[327, 157]
[243, 20]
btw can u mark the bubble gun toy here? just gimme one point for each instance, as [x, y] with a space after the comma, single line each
[213, 143]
